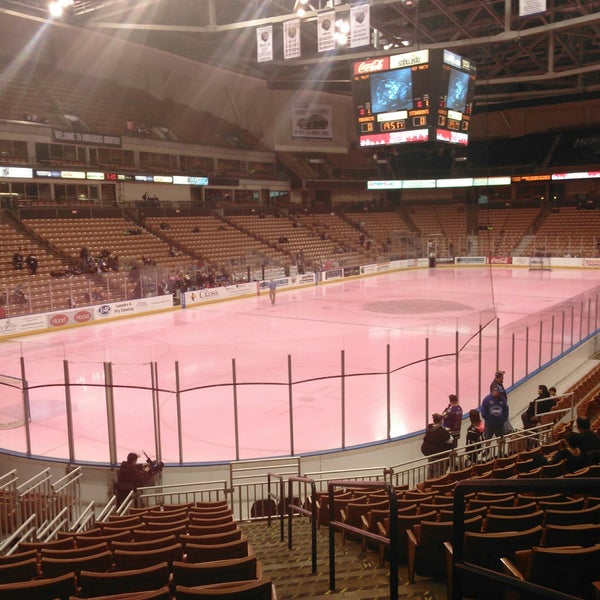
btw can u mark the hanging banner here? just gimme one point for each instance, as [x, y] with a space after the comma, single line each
[531, 7]
[360, 30]
[264, 43]
[326, 31]
[291, 39]
[312, 121]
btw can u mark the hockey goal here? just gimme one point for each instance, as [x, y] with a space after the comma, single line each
[539, 263]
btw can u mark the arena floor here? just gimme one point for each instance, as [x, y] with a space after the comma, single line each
[309, 336]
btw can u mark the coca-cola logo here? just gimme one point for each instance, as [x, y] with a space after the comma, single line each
[58, 320]
[82, 316]
[371, 66]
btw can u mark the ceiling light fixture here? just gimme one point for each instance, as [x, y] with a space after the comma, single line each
[56, 8]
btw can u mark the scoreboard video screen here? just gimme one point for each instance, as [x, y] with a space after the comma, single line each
[419, 96]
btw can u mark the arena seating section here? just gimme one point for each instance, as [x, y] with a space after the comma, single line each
[169, 550]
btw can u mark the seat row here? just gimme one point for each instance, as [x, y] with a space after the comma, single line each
[108, 560]
[65, 588]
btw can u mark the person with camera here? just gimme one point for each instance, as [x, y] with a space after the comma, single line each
[133, 475]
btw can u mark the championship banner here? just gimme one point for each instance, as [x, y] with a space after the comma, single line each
[264, 43]
[360, 29]
[531, 7]
[326, 31]
[291, 39]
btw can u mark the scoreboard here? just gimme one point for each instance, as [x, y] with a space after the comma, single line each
[420, 96]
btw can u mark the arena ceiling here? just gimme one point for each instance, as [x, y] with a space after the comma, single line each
[544, 57]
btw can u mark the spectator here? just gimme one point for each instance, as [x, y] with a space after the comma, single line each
[132, 475]
[572, 453]
[19, 296]
[452, 417]
[18, 259]
[494, 411]
[498, 383]
[32, 262]
[474, 435]
[542, 404]
[589, 442]
[437, 439]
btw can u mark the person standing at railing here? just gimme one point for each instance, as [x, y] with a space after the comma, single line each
[452, 418]
[133, 475]
[437, 439]
[494, 412]
[474, 435]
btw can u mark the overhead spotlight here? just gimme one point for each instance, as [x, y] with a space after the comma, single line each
[301, 6]
[56, 8]
[342, 26]
[341, 38]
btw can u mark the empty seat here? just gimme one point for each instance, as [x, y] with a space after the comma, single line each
[260, 589]
[19, 571]
[199, 553]
[127, 560]
[426, 546]
[571, 535]
[494, 523]
[486, 550]
[145, 544]
[53, 567]
[74, 552]
[6, 559]
[217, 571]
[567, 569]
[40, 589]
[133, 580]
[162, 593]
[215, 538]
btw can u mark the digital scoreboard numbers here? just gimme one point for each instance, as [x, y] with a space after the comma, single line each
[413, 97]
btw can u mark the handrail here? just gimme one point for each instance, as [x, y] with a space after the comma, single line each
[11, 514]
[109, 509]
[88, 514]
[57, 519]
[18, 534]
[279, 500]
[393, 530]
[303, 511]
[467, 486]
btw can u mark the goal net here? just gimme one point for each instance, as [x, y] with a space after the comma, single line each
[12, 407]
[539, 263]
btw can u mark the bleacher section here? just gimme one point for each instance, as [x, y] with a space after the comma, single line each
[307, 239]
[42, 94]
[216, 242]
[567, 231]
[501, 230]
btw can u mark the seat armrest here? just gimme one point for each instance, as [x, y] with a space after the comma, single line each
[412, 551]
[510, 569]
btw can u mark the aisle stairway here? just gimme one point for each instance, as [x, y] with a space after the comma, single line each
[358, 576]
